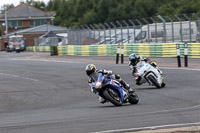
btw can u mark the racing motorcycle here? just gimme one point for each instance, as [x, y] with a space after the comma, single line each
[149, 74]
[111, 90]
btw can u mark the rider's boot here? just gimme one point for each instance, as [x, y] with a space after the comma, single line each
[102, 100]
[126, 86]
[138, 80]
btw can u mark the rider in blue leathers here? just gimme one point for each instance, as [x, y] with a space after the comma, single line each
[92, 73]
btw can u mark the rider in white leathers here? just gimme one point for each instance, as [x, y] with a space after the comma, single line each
[136, 62]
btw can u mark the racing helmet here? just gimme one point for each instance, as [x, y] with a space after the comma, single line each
[90, 69]
[133, 58]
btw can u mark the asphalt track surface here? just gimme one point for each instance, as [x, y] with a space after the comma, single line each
[43, 94]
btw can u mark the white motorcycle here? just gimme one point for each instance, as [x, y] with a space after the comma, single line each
[149, 74]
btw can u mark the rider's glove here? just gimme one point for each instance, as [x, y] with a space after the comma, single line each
[146, 59]
[91, 89]
[89, 80]
[101, 71]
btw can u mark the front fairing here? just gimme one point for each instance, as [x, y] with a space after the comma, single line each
[117, 86]
[147, 69]
[99, 81]
[142, 68]
[108, 82]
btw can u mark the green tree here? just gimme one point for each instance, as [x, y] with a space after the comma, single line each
[90, 17]
[79, 12]
[6, 7]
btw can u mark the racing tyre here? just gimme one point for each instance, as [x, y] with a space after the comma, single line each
[153, 81]
[113, 96]
[133, 98]
[163, 84]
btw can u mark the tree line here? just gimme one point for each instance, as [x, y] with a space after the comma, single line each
[80, 12]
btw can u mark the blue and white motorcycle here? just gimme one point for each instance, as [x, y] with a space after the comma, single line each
[112, 91]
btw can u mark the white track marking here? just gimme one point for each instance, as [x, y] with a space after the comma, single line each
[149, 128]
[47, 60]
[155, 127]
[16, 76]
[181, 68]
[170, 110]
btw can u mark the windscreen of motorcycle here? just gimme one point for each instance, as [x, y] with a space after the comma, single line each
[94, 76]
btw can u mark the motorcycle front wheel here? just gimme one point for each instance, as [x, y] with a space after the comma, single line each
[153, 81]
[113, 96]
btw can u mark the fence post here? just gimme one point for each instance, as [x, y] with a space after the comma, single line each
[186, 54]
[122, 54]
[117, 56]
[198, 23]
[181, 29]
[178, 55]
[109, 31]
[121, 30]
[115, 31]
[127, 26]
[148, 30]
[164, 28]
[133, 28]
[189, 26]
[172, 22]
[156, 33]
[140, 27]
[104, 30]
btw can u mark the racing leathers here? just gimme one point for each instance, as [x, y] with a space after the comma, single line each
[135, 67]
[93, 78]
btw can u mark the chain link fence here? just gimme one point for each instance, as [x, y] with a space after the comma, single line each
[160, 29]
[51, 41]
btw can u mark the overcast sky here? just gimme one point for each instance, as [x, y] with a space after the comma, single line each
[15, 2]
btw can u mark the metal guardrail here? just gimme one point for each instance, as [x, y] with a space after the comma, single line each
[50, 41]
[160, 29]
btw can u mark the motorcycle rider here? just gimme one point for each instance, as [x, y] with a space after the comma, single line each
[93, 73]
[136, 62]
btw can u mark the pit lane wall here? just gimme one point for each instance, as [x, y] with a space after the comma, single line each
[147, 50]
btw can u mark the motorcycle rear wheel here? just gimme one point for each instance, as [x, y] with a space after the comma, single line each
[113, 97]
[133, 98]
[153, 81]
